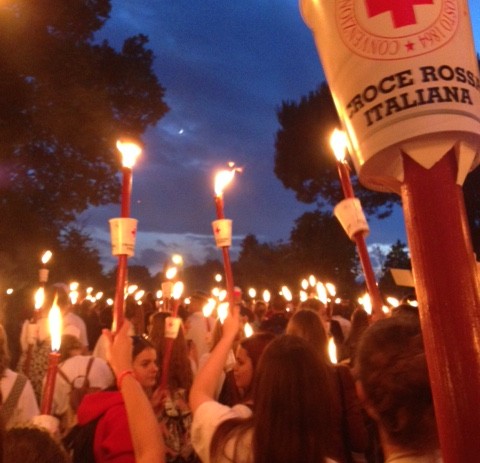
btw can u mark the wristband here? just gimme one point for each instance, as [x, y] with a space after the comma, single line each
[121, 377]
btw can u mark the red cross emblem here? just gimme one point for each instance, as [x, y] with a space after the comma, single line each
[402, 11]
[217, 230]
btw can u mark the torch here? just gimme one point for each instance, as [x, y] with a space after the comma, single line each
[222, 228]
[124, 229]
[349, 213]
[55, 325]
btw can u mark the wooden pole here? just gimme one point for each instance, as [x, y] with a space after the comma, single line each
[447, 287]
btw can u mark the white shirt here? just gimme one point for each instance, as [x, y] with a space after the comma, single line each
[100, 376]
[73, 324]
[27, 406]
[197, 331]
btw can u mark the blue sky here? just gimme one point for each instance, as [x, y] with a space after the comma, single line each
[226, 67]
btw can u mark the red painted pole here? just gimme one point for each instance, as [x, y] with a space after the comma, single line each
[362, 250]
[449, 302]
[119, 301]
[225, 253]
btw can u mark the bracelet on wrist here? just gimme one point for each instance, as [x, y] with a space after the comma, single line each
[122, 376]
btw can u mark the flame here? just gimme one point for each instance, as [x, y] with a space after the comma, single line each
[99, 295]
[322, 293]
[332, 351]
[177, 290]
[393, 301]
[139, 294]
[208, 308]
[216, 292]
[385, 309]
[218, 278]
[266, 296]
[222, 295]
[303, 296]
[177, 259]
[331, 289]
[366, 302]
[73, 297]
[55, 325]
[89, 290]
[252, 292]
[171, 273]
[338, 143]
[247, 330]
[312, 280]
[130, 152]
[304, 284]
[131, 289]
[39, 298]
[74, 286]
[159, 294]
[47, 255]
[287, 294]
[222, 311]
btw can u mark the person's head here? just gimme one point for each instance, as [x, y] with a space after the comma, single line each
[393, 381]
[247, 356]
[4, 351]
[144, 363]
[180, 371]
[32, 445]
[291, 413]
[291, 403]
[260, 309]
[317, 306]
[278, 304]
[197, 301]
[69, 347]
[306, 324]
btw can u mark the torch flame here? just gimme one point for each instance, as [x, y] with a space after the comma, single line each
[331, 289]
[247, 330]
[39, 298]
[266, 296]
[252, 292]
[177, 290]
[303, 296]
[366, 302]
[322, 293]
[130, 152]
[224, 177]
[222, 311]
[287, 294]
[208, 308]
[338, 142]
[55, 325]
[304, 284]
[171, 273]
[332, 351]
[46, 257]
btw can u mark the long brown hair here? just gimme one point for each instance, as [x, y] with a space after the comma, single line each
[290, 420]
[180, 373]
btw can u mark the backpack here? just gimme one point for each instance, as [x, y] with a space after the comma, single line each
[79, 442]
[77, 392]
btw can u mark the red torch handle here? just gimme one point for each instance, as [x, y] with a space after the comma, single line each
[47, 398]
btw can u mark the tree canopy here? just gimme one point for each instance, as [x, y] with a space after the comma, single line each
[66, 100]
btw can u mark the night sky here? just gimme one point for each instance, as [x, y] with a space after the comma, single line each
[226, 67]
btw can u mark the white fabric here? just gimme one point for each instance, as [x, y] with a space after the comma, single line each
[407, 457]
[100, 376]
[206, 419]
[27, 406]
[39, 330]
[197, 331]
[73, 323]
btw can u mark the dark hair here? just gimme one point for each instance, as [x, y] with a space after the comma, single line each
[392, 369]
[140, 343]
[290, 419]
[180, 373]
[32, 445]
[359, 323]
[254, 346]
[69, 343]
[307, 324]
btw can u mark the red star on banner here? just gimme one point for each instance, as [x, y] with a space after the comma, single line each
[403, 13]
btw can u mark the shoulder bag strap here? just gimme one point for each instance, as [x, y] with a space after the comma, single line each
[8, 407]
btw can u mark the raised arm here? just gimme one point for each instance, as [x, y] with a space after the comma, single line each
[144, 429]
[206, 380]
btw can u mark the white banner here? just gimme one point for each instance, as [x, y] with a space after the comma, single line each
[404, 77]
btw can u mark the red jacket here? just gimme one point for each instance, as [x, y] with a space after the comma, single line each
[112, 441]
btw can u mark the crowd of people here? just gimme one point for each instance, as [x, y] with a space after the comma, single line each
[212, 393]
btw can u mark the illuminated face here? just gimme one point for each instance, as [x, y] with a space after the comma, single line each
[145, 367]
[243, 369]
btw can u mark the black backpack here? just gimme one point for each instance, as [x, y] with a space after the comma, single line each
[79, 441]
